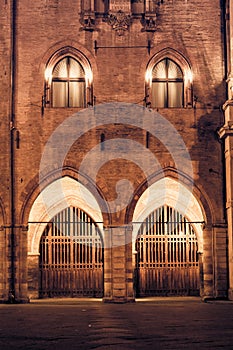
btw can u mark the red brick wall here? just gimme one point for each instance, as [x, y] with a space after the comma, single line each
[193, 28]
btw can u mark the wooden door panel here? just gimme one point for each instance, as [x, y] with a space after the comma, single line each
[167, 255]
[71, 256]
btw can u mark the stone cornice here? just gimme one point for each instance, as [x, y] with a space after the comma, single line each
[228, 103]
[226, 130]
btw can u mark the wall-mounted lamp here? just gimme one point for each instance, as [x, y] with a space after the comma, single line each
[148, 82]
[148, 78]
[89, 81]
[48, 75]
[189, 77]
[189, 89]
[89, 77]
[89, 96]
[147, 101]
[44, 99]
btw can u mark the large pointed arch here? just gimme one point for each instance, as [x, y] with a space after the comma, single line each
[168, 191]
[50, 202]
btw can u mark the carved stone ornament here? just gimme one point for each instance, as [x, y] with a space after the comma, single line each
[149, 23]
[88, 21]
[120, 21]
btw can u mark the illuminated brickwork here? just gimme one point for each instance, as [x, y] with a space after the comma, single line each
[116, 50]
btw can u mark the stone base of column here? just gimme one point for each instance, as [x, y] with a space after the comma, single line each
[118, 269]
[230, 294]
[115, 300]
[20, 301]
[15, 301]
[3, 301]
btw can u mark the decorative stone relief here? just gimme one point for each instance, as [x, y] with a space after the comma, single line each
[120, 21]
[149, 19]
[149, 23]
[88, 21]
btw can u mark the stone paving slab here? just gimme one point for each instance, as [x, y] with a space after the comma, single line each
[152, 323]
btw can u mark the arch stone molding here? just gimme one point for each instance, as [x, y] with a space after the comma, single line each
[185, 66]
[73, 52]
[78, 52]
[193, 188]
[74, 194]
[168, 191]
[75, 48]
[35, 186]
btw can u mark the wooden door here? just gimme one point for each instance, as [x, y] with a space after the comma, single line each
[167, 255]
[71, 256]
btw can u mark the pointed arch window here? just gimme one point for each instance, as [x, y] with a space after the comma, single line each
[167, 85]
[68, 84]
[169, 80]
[68, 80]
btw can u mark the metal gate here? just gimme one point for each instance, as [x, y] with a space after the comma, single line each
[71, 256]
[166, 255]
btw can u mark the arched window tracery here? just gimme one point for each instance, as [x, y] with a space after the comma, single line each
[68, 80]
[168, 81]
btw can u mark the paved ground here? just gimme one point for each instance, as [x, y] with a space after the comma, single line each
[158, 323]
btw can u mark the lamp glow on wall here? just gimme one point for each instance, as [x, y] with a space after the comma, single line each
[89, 82]
[148, 82]
[47, 83]
[188, 78]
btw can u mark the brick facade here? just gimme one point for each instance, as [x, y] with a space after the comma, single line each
[31, 34]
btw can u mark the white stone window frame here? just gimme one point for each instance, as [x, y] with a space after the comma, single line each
[54, 59]
[184, 65]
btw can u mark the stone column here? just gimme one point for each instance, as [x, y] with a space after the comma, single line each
[220, 261]
[33, 276]
[213, 262]
[226, 133]
[88, 16]
[207, 264]
[200, 261]
[118, 269]
[20, 264]
[4, 246]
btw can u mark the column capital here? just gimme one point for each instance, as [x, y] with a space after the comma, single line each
[226, 130]
[228, 103]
